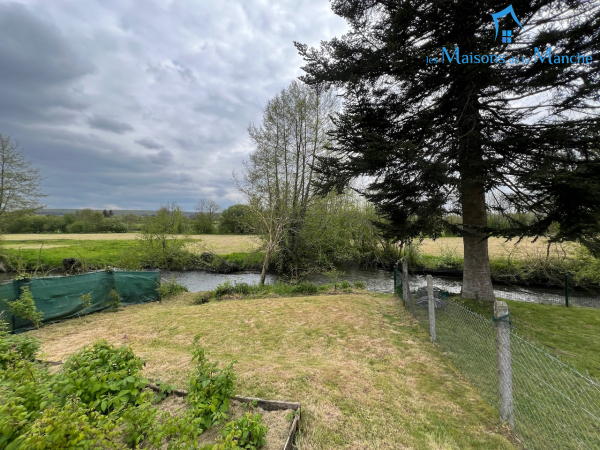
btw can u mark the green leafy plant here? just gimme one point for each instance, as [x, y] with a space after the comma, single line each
[25, 308]
[114, 299]
[201, 298]
[86, 300]
[360, 285]
[248, 432]
[71, 426]
[210, 388]
[164, 390]
[104, 377]
[170, 288]
[291, 415]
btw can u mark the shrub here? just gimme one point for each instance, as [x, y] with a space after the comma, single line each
[345, 284]
[210, 388]
[103, 376]
[170, 288]
[99, 400]
[306, 287]
[226, 288]
[202, 297]
[248, 432]
[114, 299]
[16, 346]
[86, 300]
[360, 285]
[25, 308]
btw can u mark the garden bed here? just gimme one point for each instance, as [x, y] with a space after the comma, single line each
[281, 418]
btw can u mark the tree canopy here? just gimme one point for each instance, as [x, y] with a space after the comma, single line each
[442, 116]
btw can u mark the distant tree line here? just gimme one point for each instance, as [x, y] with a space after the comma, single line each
[208, 219]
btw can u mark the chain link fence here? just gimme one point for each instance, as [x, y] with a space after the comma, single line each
[553, 406]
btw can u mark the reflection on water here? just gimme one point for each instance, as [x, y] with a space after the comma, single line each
[205, 281]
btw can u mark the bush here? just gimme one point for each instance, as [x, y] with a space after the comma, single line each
[306, 287]
[201, 298]
[99, 400]
[114, 299]
[345, 284]
[248, 432]
[170, 288]
[25, 308]
[360, 285]
[16, 346]
[103, 377]
[210, 388]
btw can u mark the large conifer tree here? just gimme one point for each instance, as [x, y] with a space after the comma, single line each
[435, 132]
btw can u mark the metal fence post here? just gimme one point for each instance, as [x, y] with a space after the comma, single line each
[405, 287]
[431, 303]
[505, 390]
[567, 290]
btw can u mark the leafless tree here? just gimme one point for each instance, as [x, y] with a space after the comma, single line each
[19, 181]
[277, 181]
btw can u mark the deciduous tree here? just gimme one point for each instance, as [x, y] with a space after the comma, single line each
[19, 182]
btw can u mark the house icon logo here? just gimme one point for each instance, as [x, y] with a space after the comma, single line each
[506, 34]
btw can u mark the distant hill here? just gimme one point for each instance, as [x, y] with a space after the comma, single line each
[117, 212]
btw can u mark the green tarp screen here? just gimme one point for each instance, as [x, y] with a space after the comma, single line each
[59, 298]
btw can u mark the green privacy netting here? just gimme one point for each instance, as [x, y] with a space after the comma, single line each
[58, 298]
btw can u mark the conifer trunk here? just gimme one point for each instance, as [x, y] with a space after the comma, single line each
[477, 280]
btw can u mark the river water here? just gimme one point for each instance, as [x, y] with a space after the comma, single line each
[383, 281]
[377, 281]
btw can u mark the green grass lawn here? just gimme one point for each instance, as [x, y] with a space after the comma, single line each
[95, 252]
[366, 374]
[570, 334]
[106, 250]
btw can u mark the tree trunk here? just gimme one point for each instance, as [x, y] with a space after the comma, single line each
[477, 279]
[263, 274]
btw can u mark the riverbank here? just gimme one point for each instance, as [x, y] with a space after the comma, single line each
[525, 264]
[365, 373]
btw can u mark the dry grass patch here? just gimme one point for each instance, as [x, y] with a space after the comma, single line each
[224, 244]
[365, 373]
[217, 243]
[33, 246]
[498, 247]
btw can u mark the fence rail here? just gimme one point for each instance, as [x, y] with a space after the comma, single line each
[551, 405]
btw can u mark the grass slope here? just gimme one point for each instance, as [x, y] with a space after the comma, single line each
[366, 374]
[570, 334]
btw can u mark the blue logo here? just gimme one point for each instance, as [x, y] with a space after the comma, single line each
[536, 56]
[506, 34]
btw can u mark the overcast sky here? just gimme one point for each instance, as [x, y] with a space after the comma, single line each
[133, 104]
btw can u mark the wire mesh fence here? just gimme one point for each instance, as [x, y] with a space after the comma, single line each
[554, 406]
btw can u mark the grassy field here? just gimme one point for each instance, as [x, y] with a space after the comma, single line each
[570, 334]
[365, 373]
[105, 248]
[497, 247]
[221, 244]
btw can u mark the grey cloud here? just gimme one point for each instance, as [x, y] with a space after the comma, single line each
[163, 158]
[39, 68]
[106, 124]
[188, 79]
[149, 143]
